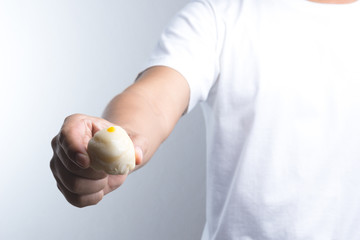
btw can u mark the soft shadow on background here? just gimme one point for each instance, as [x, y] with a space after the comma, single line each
[64, 57]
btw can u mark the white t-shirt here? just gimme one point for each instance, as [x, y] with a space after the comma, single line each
[280, 85]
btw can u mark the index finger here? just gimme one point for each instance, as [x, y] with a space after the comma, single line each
[62, 164]
[73, 139]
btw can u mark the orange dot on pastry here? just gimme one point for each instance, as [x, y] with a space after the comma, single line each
[111, 129]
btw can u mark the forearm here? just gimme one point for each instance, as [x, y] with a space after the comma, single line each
[132, 111]
[149, 109]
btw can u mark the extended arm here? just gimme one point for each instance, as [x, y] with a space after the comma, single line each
[148, 110]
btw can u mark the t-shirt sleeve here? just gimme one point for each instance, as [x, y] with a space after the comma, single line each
[188, 45]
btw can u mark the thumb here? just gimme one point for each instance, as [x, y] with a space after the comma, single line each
[74, 136]
[138, 155]
[140, 147]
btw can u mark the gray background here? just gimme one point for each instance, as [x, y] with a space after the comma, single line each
[64, 57]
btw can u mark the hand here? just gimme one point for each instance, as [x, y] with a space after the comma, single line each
[79, 183]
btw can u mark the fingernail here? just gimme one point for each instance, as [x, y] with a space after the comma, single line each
[138, 155]
[82, 160]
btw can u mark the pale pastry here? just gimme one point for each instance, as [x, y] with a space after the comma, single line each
[112, 150]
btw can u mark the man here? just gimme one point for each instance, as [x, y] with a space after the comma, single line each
[279, 82]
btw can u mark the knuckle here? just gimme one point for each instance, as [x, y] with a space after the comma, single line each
[69, 118]
[76, 201]
[82, 201]
[61, 190]
[52, 165]
[55, 169]
[54, 143]
[66, 131]
[65, 142]
[73, 117]
[62, 136]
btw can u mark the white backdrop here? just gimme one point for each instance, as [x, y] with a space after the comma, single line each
[69, 56]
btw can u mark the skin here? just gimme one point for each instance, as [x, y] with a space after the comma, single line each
[148, 110]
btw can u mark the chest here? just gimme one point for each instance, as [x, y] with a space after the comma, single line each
[293, 64]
